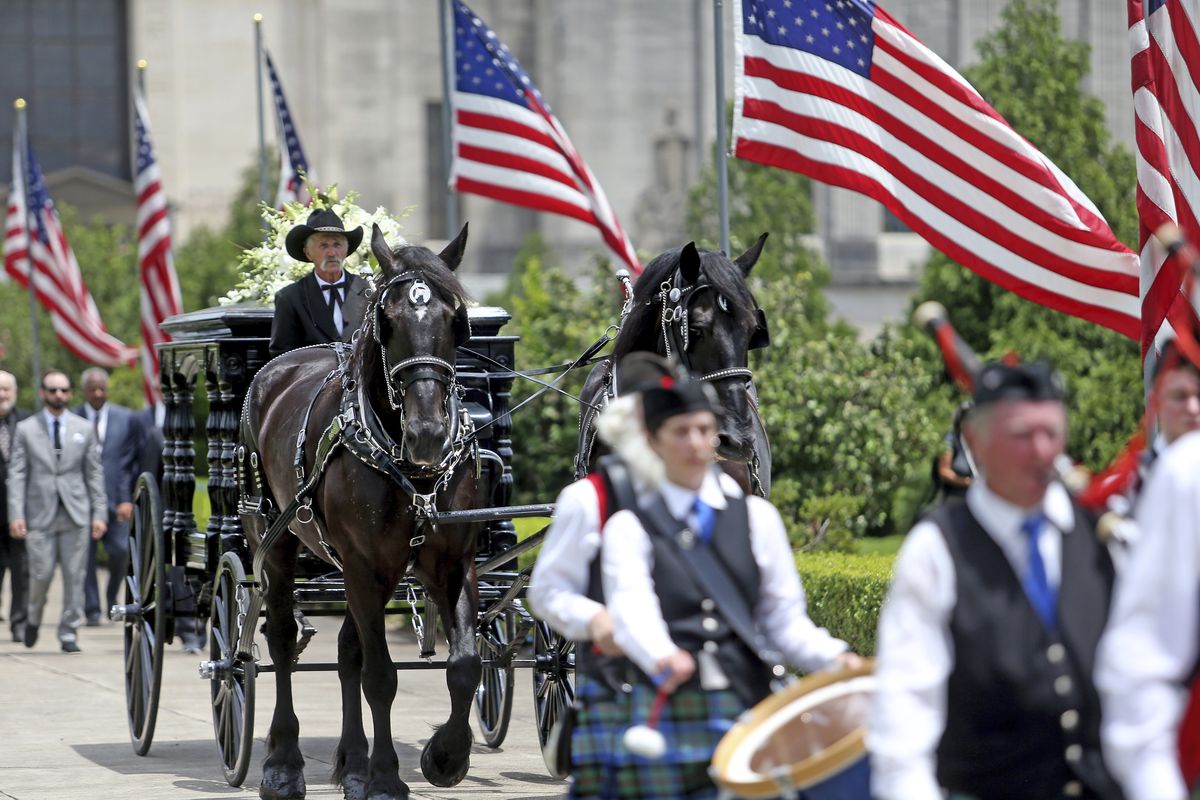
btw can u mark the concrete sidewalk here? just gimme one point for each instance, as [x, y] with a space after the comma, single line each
[65, 737]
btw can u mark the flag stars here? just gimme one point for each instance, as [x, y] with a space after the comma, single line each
[824, 31]
[810, 38]
[863, 37]
[799, 21]
[862, 63]
[782, 31]
[841, 27]
[787, 3]
[815, 13]
[770, 13]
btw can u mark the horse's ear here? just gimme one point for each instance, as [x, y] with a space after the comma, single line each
[689, 263]
[748, 259]
[379, 246]
[453, 252]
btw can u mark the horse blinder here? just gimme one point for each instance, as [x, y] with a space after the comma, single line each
[762, 334]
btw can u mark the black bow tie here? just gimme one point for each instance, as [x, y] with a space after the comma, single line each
[339, 285]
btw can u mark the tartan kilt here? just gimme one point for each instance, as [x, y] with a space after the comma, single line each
[693, 722]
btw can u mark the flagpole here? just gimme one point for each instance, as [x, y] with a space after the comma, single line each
[22, 144]
[141, 76]
[722, 175]
[262, 133]
[446, 22]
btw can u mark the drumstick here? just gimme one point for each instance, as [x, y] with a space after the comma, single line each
[645, 740]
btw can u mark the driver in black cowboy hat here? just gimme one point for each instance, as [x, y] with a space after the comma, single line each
[327, 304]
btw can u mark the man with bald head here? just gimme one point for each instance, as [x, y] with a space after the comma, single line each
[12, 551]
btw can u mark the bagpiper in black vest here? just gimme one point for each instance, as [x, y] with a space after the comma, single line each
[694, 621]
[1023, 717]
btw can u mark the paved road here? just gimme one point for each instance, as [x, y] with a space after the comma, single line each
[63, 734]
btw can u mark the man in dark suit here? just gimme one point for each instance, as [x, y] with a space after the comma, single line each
[327, 304]
[119, 437]
[12, 551]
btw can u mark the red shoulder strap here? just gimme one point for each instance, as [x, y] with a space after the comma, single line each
[601, 487]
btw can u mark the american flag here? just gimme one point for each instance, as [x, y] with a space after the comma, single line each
[160, 286]
[32, 232]
[1166, 105]
[293, 166]
[509, 147]
[840, 91]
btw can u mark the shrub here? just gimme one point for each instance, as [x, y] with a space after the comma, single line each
[845, 593]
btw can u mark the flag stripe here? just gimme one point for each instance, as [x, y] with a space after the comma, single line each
[850, 97]
[160, 297]
[1163, 55]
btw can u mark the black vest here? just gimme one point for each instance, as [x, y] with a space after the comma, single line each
[693, 620]
[1023, 716]
[609, 671]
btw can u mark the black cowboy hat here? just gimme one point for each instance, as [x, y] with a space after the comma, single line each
[322, 220]
[1037, 381]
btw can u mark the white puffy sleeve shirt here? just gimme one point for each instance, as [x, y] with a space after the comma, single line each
[1150, 645]
[558, 585]
[781, 613]
[914, 651]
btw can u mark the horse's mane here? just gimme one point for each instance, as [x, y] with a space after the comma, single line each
[715, 269]
[364, 359]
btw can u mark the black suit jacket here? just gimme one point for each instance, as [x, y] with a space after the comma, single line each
[17, 415]
[302, 315]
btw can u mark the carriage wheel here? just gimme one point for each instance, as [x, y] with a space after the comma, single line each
[494, 697]
[232, 678]
[146, 614]
[553, 680]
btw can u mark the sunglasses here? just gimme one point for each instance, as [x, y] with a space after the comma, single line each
[57, 389]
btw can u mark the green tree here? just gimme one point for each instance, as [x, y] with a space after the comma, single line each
[1035, 78]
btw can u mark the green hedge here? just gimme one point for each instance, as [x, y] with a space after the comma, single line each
[845, 593]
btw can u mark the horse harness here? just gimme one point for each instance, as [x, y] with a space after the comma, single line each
[675, 303]
[358, 429]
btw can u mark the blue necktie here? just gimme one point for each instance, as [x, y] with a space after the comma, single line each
[706, 519]
[1037, 586]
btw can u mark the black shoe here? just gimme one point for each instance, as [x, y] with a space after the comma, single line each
[70, 647]
[93, 622]
[18, 633]
[31, 632]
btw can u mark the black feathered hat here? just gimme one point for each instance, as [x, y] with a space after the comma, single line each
[321, 220]
[666, 388]
[1036, 380]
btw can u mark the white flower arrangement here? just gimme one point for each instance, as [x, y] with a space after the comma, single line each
[268, 268]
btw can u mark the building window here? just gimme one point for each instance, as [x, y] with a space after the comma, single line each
[436, 189]
[70, 60]
[893, 224]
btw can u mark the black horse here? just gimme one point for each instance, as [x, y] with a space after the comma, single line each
[694, 305]
[405, 448]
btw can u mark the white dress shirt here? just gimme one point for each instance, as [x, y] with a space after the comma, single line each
[558, 585]
[101, 427]
[1150, 645]
[914, 650]
[338, 320]
[781, 613]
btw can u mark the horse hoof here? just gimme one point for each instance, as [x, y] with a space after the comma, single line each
[282, 783]
[354, 788]
[389, 794]
[442, 768]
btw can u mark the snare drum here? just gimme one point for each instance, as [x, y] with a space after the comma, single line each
[805, 741]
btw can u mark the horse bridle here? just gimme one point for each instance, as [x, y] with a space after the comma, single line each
[675, 302]
[433, 368]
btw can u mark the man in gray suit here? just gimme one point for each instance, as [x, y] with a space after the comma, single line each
[55, 492]
[12, 551]
[118, 436]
